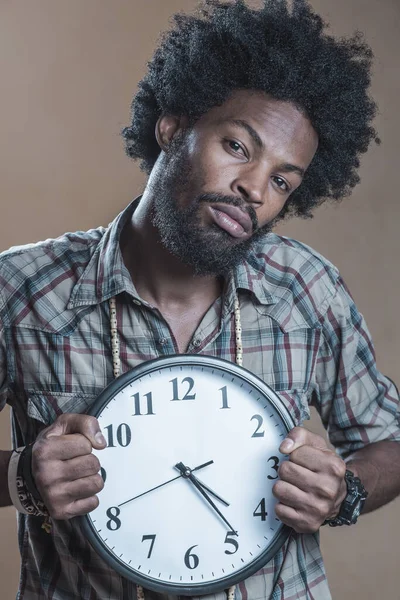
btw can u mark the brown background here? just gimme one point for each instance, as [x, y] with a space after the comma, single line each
[68, 70]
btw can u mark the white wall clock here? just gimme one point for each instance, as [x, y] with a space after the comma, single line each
[191, 458]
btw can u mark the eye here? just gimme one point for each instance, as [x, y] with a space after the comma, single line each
[281, 183]
[236, 147]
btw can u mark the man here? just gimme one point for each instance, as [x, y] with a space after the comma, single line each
[244, 117]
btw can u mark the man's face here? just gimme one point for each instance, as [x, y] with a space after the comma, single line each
[222, 184]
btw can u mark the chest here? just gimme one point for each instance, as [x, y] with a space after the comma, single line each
[183, 326]
[56, 372]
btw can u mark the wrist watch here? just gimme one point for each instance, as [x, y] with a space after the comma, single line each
[353, 503]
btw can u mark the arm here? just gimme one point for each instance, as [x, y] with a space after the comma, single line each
[5, 499]
[359, 407]
[378, 467]
[5, 456]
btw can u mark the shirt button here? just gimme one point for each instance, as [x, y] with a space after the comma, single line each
[136, 301]
[163, 341]
[196, 343]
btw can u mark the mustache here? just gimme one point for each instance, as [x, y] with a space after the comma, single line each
[212, 198]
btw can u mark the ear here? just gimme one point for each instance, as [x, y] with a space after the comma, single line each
[167, 127]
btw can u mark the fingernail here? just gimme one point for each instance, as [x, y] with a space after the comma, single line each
[286, 446]
[100, 439]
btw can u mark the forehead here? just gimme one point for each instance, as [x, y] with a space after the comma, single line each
[278, 123]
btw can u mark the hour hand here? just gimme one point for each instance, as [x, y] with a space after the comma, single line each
[187, 473]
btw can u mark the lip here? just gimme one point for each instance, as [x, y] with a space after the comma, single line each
[237, 215]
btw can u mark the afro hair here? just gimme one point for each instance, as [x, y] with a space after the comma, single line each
[281, 50]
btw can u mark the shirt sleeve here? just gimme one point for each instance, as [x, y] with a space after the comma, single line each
[358, 404]
[3, 363]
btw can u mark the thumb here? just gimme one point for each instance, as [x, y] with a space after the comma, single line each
[299, 436]
[76, 423]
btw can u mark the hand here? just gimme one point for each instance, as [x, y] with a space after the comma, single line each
[210, 462]
[187, 473]
[65, 471]
[312, 486]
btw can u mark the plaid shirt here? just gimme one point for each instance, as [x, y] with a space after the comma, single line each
[302, 335]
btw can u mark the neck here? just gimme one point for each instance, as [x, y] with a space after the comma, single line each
[159, 277]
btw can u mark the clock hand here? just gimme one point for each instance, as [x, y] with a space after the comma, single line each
[210, 462]
[186, 472]
[210, 491]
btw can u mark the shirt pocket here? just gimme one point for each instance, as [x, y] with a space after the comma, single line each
[296, 403]
[45, 407]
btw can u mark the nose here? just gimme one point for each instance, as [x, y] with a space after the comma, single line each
[251, 184]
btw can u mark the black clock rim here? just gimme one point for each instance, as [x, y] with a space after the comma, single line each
[88, 529]
[116, 386]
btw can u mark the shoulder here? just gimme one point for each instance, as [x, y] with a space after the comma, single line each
[302, 282]
[54, 265]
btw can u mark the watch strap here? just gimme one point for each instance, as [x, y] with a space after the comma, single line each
[353, 503]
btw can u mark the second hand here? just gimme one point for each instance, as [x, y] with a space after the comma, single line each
[210, 462]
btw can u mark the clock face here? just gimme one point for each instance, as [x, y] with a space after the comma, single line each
[191, 458]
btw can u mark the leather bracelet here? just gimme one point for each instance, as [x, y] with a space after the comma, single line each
[13, 488]
[20, 495]
[26, 472]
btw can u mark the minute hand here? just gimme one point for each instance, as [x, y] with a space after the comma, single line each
[187, 474]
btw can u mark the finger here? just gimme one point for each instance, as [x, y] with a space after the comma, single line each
[63, 447]
[84, 487]
[299, 436]
[82, 466]
[291, 517]
[290, 495]
[319, 461]
[77, 508]
[76, 423]
[299, 476]
[320, 485]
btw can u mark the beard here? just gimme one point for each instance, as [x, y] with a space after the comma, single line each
[208, 250]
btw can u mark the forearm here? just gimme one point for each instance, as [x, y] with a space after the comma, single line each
[5, 499]
[378, 467]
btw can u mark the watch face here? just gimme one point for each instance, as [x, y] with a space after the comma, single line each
[191, 458]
